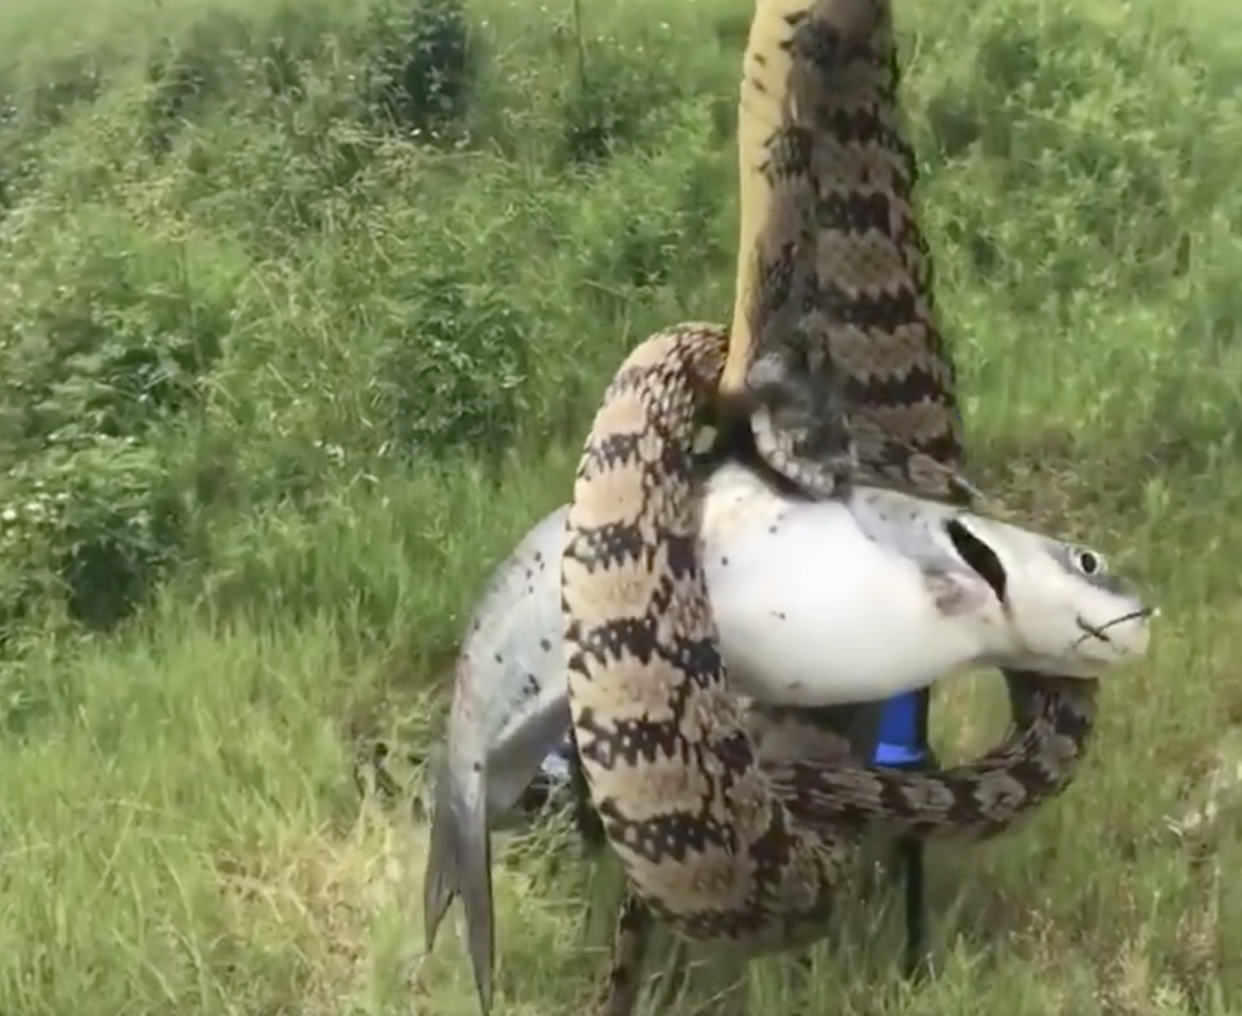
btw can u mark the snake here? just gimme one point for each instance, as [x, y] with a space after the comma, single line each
[720, 843]
[834, 370]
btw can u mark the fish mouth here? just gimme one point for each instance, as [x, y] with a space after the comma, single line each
[1130, 641]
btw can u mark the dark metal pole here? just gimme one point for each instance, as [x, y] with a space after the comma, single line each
[904, 744]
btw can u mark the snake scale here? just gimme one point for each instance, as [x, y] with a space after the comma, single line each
[838, 372]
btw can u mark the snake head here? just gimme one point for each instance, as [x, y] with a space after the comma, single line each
[800, 424]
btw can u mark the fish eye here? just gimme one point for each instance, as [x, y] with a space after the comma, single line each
[1089, 562]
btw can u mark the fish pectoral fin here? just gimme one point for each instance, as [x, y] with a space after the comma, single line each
[520, 749]
[459, 863]
[954, 593]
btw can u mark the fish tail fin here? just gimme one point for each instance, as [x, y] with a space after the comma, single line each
[459, 863]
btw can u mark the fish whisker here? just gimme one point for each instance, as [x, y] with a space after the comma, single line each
[1091, 631]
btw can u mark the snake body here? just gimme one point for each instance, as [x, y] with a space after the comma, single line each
[836, 366]
[851, 352]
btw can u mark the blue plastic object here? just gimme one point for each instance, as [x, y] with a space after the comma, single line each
[903, 735]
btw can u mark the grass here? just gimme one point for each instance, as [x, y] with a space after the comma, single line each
[302, 313]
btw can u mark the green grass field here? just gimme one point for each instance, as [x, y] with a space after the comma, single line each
[303, 310]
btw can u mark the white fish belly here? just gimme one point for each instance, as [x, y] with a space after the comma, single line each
[810, 612]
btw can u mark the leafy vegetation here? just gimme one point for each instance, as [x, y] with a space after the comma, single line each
[303, 311]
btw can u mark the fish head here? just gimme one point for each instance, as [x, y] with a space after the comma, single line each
[1063, 612]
